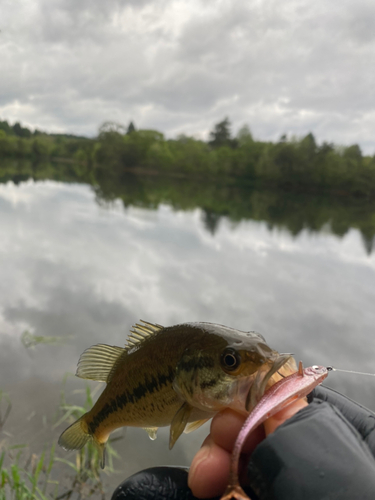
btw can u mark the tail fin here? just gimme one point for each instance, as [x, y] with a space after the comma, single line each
[77, 435]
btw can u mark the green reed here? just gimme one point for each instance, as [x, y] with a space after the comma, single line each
[27, 476]
[30, 340]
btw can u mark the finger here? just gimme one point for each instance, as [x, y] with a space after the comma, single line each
[225, 428]
[279, 418]
[209, 471]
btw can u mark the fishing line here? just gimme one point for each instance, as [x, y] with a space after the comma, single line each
[331, 368]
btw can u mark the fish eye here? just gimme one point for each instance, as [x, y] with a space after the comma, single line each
[230, 359]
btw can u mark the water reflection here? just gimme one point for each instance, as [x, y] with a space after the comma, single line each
[226, 197]
[72, 267]
[293, 211]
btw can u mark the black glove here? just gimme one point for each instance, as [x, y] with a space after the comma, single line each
[156, 483]
[325, 451]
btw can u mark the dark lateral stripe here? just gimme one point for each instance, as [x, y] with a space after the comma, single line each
[195, 363]
[151, 385]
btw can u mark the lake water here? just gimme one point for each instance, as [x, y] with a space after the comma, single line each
[79, 267]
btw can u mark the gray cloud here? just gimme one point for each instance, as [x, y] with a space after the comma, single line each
[181, 66]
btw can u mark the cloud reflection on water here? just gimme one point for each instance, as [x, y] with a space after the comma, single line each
[70, 267]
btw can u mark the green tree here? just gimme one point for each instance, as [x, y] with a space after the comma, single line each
[8, 144]
[109, 127]
[249, 154]
[244, 136]
[111, 144]
[190, 155]
[42, 145]
[221, 135]
[21, 131]
[4, 125]
[225, 161]
[308, 147]
[131, 128]
[353, 155]
[24, 147]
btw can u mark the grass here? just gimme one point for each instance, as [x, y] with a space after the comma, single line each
[27, 476]
[29, 481]
[30, 340]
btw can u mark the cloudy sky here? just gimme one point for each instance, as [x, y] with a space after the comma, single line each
[180, 66]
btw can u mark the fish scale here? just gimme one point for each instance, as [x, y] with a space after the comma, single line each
[179, 375]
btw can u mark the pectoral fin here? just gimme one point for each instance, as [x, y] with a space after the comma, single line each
[179, 422]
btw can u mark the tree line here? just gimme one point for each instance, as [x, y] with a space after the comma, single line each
[298, 164]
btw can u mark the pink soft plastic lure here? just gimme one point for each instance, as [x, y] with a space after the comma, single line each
[280, 395]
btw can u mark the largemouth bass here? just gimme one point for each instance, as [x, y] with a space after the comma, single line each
[178, 375]
[279, 396]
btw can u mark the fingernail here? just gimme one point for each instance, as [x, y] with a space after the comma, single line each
[200, 457]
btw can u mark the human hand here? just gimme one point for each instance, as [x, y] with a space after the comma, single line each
[209, 471]
[326, 450]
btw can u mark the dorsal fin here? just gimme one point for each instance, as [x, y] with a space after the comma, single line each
[98, 362]
[141, 332]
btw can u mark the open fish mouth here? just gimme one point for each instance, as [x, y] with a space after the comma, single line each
[258, 387]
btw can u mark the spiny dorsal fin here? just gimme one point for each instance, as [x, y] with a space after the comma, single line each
[141, 332]
[98, 362]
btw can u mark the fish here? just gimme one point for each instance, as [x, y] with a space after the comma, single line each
[279, 396]
[179, 375]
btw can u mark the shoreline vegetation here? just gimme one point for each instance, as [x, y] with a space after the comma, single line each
[295, 164]
[26, 475]
[293, 184]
